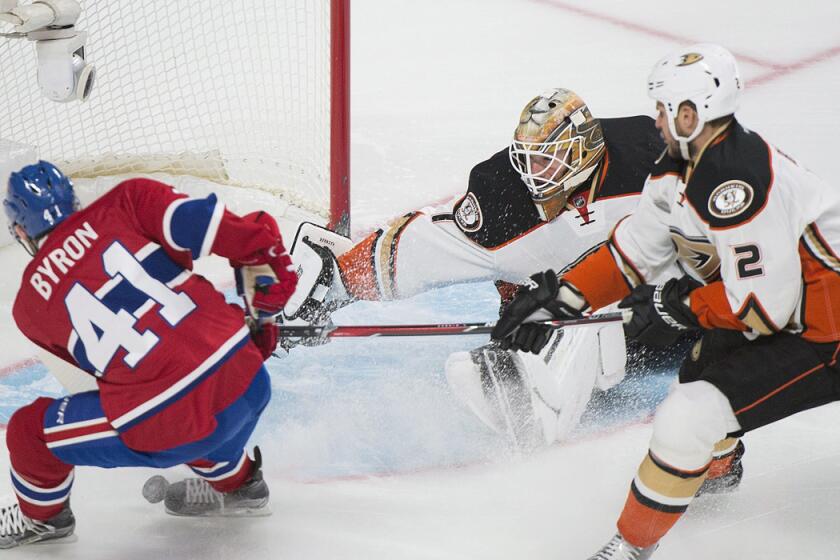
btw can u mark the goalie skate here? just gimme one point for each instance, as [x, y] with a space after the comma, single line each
[16, 529]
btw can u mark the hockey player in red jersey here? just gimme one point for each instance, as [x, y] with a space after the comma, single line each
[110, 289]
[759, 238]
[554, 192]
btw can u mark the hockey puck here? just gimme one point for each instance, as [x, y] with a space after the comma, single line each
[154, 490]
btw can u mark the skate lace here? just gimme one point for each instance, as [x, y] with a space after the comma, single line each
[612, 551]
[200, 492]
[12, 521]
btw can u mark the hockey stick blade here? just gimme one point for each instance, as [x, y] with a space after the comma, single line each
[333, 331]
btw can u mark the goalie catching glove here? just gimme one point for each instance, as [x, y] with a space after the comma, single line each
[544, 297]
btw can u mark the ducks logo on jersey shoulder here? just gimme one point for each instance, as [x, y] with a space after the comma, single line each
[468, 216]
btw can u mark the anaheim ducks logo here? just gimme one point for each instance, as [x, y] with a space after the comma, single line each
[690, 58]
[730, 199]
[593, 134]
[468, 216]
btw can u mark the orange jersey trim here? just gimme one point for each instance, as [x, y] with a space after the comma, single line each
[712, 309]
[820, 309]
[358, 270]
[778, 390]
[666, 174]
[599, 279]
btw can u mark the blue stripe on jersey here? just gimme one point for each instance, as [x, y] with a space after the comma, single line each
[71, 409]
[186, 389]
[124, 296]
[191, 221]
[160, 266]
[35, 496]
[80, 355]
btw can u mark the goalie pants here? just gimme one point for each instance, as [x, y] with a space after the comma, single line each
[727, 386]
[48, 437]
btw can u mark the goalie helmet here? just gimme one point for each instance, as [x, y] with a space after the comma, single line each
[39, 197]
[704, 74]
[556, 147]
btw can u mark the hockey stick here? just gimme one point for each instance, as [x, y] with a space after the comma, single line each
[332, 331]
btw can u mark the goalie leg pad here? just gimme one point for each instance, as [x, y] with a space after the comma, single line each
[535, 400]
[490, 381]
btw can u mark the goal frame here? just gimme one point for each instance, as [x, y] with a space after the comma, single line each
[340, 117]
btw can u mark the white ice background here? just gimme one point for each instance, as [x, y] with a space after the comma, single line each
[367, 453]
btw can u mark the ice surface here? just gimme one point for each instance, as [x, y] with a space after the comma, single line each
[367, 454]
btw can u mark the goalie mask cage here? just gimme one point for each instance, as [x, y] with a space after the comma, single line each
[241, 93]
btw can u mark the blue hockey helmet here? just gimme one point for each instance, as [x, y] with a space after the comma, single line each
[39, 197]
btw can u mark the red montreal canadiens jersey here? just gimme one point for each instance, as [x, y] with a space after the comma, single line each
[111, 290]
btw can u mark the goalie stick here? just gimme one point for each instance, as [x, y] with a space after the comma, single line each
[332, 331]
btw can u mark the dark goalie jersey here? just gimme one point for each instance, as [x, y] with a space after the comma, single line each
[498, 208]
[494, 231]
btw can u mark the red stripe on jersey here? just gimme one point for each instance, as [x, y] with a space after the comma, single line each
[51, 435]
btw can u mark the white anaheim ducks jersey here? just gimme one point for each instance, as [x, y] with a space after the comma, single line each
[494, 231]
[759, 230]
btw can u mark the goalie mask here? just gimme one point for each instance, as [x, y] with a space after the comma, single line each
[556, 147]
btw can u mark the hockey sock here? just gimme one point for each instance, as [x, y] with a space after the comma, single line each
[726, 454]
[225, 476]
[658, 496]
[41, 481]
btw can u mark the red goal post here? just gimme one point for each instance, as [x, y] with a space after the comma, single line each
[340, 117]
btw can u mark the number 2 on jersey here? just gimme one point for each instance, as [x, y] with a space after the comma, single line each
[103, 330]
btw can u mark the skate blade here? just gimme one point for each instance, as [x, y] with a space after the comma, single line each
[244, 512]
[69, 539]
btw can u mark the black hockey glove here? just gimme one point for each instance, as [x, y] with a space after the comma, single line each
[660, 315]
[516, 330]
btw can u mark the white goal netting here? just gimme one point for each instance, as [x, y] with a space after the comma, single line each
[233, 92]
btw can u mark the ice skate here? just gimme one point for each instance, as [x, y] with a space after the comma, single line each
[194, 497]
[728, 482]
[16, 529]
[619, 549]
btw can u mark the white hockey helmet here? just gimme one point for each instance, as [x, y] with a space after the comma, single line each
[705, 74]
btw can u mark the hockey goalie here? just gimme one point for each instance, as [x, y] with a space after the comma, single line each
[555, 192]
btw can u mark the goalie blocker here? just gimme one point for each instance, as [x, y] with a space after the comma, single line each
[320, 288]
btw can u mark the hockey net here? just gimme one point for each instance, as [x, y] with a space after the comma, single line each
[202, 95]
